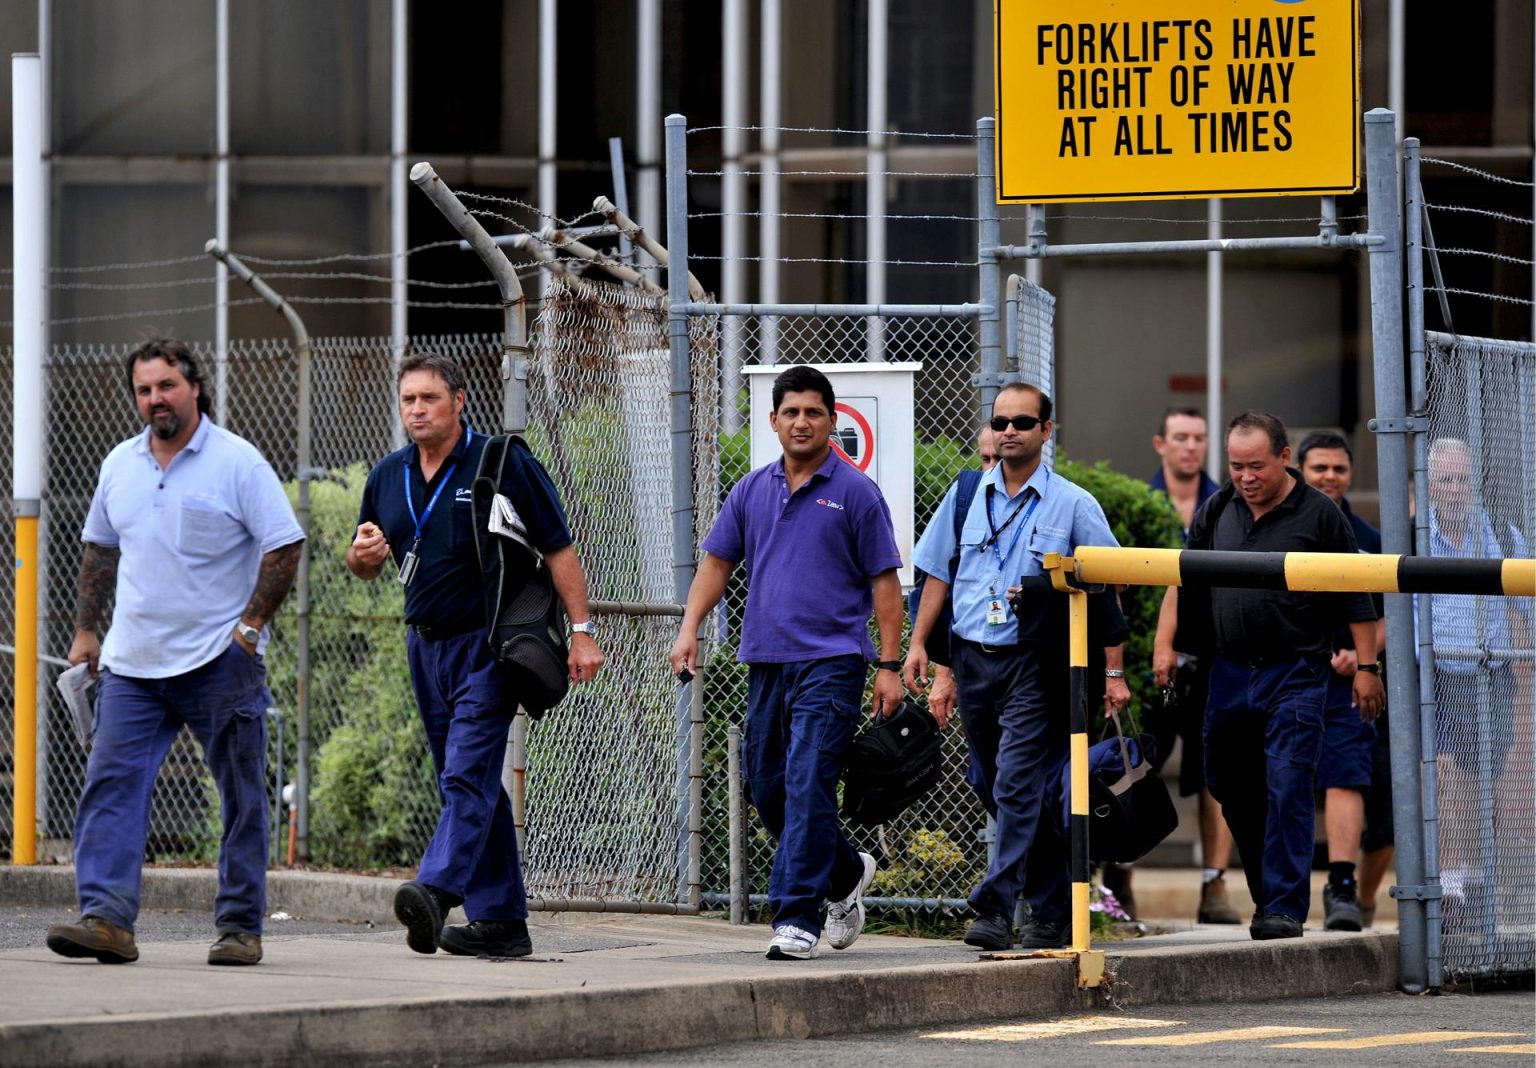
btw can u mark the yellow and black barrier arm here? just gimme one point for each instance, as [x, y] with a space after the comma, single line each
[1093, 565]
[1309, 572]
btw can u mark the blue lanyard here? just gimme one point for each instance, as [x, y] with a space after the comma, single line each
[1018, 531]
[421, 524]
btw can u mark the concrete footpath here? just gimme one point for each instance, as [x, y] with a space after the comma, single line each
[598, 984]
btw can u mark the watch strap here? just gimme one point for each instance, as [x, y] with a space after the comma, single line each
[888, 665]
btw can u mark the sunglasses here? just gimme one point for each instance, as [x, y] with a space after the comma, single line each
[1001, 423]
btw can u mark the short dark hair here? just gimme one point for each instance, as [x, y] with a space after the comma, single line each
[1178, 409]
[1323, 439]
[1029, 387]
[178, 355]
[1253, 419]
[446, 367]
[802, 379]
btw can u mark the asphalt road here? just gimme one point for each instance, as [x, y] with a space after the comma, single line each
[1369, 1029]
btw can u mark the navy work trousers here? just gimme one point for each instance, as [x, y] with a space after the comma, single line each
[1263, 734]
[1017, 727]
[224, 703]
[467, 714]
[800, 721]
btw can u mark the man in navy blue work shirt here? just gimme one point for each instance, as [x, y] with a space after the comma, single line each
[816, 538]
[1347, 769]
[1270, 666]
[191, 531]
[1012, 697]
[1181, 444]
[416, 510]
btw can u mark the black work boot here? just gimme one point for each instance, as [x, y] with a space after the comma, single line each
[421, 908]
[487, 938]
[993, 931]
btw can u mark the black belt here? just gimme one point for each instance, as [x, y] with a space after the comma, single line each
[443, 631]
[1012, 649]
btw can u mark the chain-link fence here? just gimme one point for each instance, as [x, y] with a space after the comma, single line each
[935, 851]
[606, 805]
[1480, 501]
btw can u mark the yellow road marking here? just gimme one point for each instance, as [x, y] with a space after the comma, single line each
[1051, 1028]
[1409, 1038]
[1527, 1048]
[1236, 1034]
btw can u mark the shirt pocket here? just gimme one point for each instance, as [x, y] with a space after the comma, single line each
[205, 530]
[463, 529]
[1044, 540]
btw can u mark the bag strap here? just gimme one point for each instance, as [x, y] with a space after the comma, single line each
[965, 496]
[1132, 774]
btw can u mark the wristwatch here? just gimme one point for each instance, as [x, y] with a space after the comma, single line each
[1114, 673]
[888, 665]
[248, 634]
[587, 627]
[1374, 669]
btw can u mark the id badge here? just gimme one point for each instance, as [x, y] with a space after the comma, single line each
[997, 612]
[408, 568]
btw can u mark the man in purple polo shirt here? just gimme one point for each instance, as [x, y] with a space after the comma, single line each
[816, 537]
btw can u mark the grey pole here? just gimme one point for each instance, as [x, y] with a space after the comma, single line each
[1413, 231]
[514, 354]
[690, 709]
[988, 238]
[734, 818]
[305, 474]
[1386, 267]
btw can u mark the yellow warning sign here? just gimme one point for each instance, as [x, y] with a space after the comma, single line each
[1163, 99]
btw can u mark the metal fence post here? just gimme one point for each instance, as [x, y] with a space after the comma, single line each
[735, 817]
[689, 722]
[1424, 677]
[305, 473]
[1386, 268]
[989, 271]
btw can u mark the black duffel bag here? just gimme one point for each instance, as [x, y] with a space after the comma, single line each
[891, 764]
[1129, 809]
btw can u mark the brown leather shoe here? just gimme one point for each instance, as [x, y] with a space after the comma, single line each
[235, 947]
[93, 936]
[1215, 907]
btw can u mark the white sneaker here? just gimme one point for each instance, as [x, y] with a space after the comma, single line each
[845, 918]
[792, 943]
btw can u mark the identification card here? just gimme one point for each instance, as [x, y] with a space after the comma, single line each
[408, 567]
[997, 612]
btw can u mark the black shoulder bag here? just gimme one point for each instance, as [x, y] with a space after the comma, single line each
[525, 620]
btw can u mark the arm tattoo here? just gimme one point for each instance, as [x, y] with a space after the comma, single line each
[273, 582]
[95, 585]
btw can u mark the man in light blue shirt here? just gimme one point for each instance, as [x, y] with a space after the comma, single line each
[1011, 693]
[191, 531]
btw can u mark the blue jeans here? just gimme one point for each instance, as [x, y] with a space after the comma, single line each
[224, 703]
[1263, 733]
[467, 714]
[1015, 709]
[800, 721]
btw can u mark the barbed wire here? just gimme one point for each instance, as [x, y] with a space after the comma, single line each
[897, 217]
[389, 300]
[1499, 297]
[360, 276]
[1489, 175]
[836, 174]
[343, 257]
[120, 287]
[825, 259]
[1502, 215]
[837, 130]
[560, 224]
[141, 265]
[146, 313]
[1484, 253]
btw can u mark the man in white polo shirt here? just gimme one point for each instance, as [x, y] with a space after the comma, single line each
[191, 531]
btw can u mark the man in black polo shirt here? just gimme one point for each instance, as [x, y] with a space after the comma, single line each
[1269, 672]
[416, 509]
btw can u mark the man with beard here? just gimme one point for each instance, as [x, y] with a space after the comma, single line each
[191, 530]
[416, 510]
[1011, 691]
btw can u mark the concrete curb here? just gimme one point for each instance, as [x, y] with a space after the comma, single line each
[666, 1015]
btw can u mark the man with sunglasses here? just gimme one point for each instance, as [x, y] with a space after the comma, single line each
[1011, 691]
